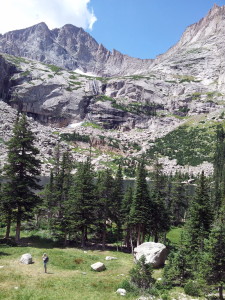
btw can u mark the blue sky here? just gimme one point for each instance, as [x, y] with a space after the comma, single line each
[139, 28]
[145, 28]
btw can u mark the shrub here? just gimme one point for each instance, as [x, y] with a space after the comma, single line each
[141, 274]
[165, 297]
[192, 288]
[125, 284]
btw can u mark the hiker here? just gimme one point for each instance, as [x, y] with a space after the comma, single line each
[45, 260]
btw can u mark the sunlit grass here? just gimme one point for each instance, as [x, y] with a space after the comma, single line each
[174, 235]
[69, 274]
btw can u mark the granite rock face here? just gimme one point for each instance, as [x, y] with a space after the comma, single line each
[141, 100]
[187, 80]
[68, 47]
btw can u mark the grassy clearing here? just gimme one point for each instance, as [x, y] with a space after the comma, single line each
[174, 235]
[69, 274]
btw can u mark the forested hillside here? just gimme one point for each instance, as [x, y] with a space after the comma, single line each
[89, 209]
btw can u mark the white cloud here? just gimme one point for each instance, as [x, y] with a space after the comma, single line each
[17, 14]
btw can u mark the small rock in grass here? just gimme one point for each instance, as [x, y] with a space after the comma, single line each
[110, 258]
[98, 267]
[121, 292]
[26, 259]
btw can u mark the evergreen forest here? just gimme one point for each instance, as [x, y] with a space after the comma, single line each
[87, 208]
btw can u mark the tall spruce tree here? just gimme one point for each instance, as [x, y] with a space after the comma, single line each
[179, 201]
[48, 204]
[214, 266]
[200, 216]
[125, 215]
[160, 221]
[118, 194]
[7, 207]
[21, 172]
[105, 209]
[219, 168]
[141, 206]
[59, 200]
[82, 201]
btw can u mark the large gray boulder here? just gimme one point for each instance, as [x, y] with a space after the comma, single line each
[155, 253]
[26, 259]
[98, 267]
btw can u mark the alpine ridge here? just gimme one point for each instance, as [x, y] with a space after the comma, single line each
[127, 105]
[69, 47]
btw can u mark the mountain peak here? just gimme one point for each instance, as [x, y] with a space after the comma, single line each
[216, 10]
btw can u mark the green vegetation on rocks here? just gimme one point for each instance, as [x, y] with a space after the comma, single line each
[189, 145]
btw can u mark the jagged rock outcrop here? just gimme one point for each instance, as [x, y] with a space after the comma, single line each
[188, 79]
[6, 71]
[200, 51]
[69, 47]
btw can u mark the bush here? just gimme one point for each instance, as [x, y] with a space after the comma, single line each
[165, 297]
[125, 284]
[192, 288]
[141, 274]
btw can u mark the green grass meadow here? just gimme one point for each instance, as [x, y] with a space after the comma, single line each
[69, 275]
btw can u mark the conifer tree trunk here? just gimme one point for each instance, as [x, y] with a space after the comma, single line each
[8, 227]
[18, 227]
[221, 292]
[138, 235]
[131, 242]
[104, 236]
[83, 238]
[156, 238]
[65, 239]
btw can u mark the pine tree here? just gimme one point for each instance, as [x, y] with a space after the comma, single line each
[200, 216]
[141, 274]
[82, 201]
[177, 269]
[125, 215]
[6, 207]
[21, 172]
[179, 201]
[141, 205]
[105, 209]
[214, 266]
[58, 204]
[160, 221]
[48, 205]
[118, 194]
[219, 168]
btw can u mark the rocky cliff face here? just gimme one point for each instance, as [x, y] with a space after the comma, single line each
[200, 51]
[141, 99]
[69, 47]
